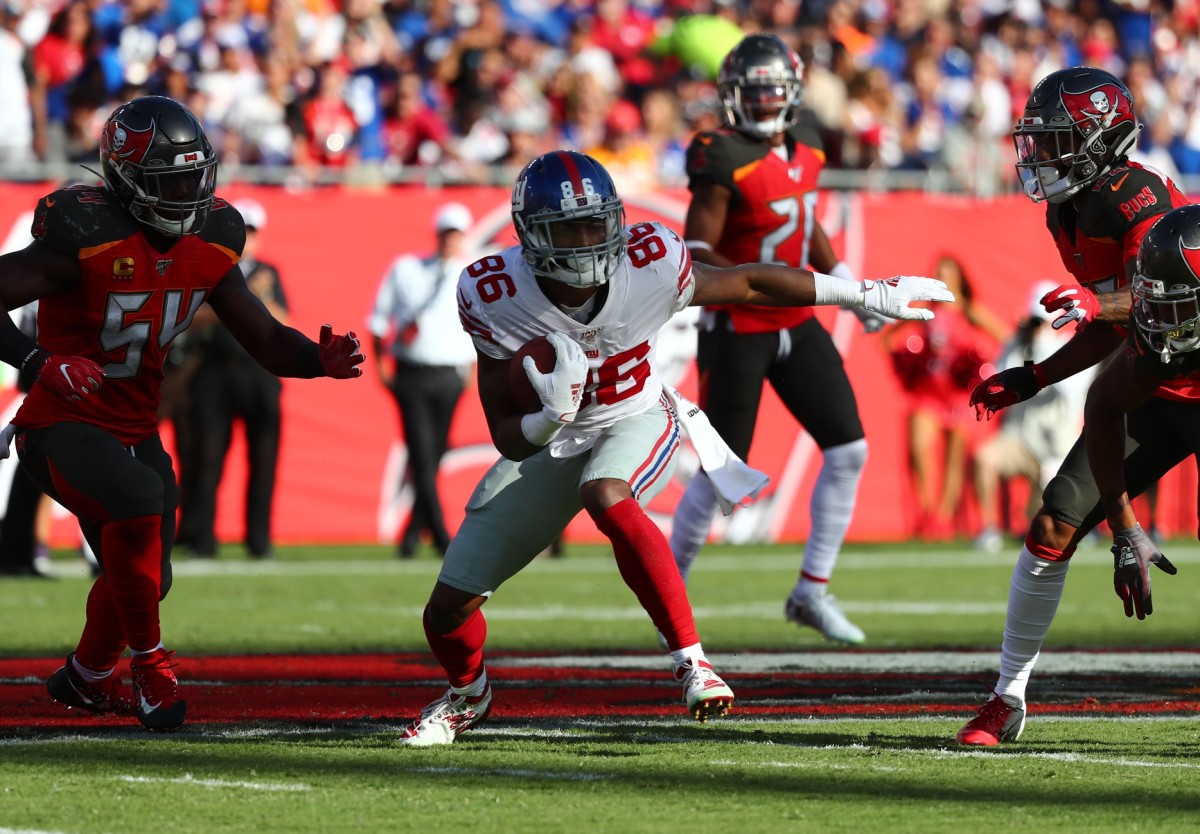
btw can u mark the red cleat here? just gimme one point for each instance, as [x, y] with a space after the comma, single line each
[156, 698]
[995, 722]
[108, 695]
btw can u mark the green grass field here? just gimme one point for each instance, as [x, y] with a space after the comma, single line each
[1085, 772]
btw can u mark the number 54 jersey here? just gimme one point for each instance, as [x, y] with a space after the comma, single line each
[130, 302]
[502, 307]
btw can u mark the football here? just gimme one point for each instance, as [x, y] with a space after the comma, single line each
[518, 381]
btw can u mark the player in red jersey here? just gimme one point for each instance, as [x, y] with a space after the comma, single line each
[120, 270]
[1162, 345]
[754, 194]
[1072, 144]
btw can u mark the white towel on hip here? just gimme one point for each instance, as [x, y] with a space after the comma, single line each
[735, 483]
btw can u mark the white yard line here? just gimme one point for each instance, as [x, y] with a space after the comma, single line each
[188, 779]
[1005, 754]
[1162, 663]
[759, 610]
[904, 557]
[523, 774]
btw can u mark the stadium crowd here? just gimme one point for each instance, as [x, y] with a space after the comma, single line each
[378, 90]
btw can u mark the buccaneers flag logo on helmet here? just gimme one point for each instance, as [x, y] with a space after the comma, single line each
[1098, 108]
[120, 142]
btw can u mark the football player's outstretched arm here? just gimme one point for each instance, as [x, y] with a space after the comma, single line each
[822, 258]
[781, 286]
[25, 276]
[1085, 349]
[282, 350]
[1014, 385]
[1118, 388]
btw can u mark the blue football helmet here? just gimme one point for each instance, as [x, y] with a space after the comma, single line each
[569, 219]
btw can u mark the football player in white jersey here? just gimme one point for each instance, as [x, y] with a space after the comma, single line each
[606, 436]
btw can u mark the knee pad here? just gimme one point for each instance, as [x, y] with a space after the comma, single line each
[848, 458]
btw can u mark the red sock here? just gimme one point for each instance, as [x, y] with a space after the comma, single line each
[1048, 553]
[648, 568]
[103, 640]
[132, 552]
[461, 651]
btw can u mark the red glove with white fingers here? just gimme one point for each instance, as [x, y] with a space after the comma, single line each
[340, 355]
[70, 377]
[1076, 304]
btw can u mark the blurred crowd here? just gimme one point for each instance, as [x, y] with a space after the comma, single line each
[376, 90]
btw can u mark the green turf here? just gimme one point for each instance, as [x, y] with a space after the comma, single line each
[734, 776]
[1072, 776]
[363, 599]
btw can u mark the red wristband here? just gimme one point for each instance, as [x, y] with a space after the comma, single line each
[1039, 375]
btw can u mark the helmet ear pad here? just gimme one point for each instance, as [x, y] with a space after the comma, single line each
[156, 160]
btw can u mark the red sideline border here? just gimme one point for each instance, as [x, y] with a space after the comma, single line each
[324, 689]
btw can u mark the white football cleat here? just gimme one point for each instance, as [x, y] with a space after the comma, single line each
[447, 718]
[821, 611]
[703, 690]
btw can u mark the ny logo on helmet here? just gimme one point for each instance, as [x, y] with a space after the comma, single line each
[518, 196]
[570, 199]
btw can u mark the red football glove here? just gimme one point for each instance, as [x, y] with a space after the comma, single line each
[340, 355]
[70, 377]
[1077, 305]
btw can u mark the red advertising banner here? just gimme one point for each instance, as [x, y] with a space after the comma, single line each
[342, 462]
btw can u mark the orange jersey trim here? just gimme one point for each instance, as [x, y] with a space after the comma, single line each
[89, 251]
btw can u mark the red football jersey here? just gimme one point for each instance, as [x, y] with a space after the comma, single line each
[1099, 236]
[772, 211]
[131, 301]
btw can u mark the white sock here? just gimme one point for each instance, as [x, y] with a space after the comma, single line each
[832, 508]
[474, 689]
[1033, 597]
[693, 517]
[139, 652]
[687, 654]
[807, 588]
[89, 675]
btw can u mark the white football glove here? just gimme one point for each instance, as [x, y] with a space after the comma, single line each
[892, 296]
[871, 322]
[561, 390]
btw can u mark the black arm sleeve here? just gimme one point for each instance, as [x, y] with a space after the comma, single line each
[16, 348]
